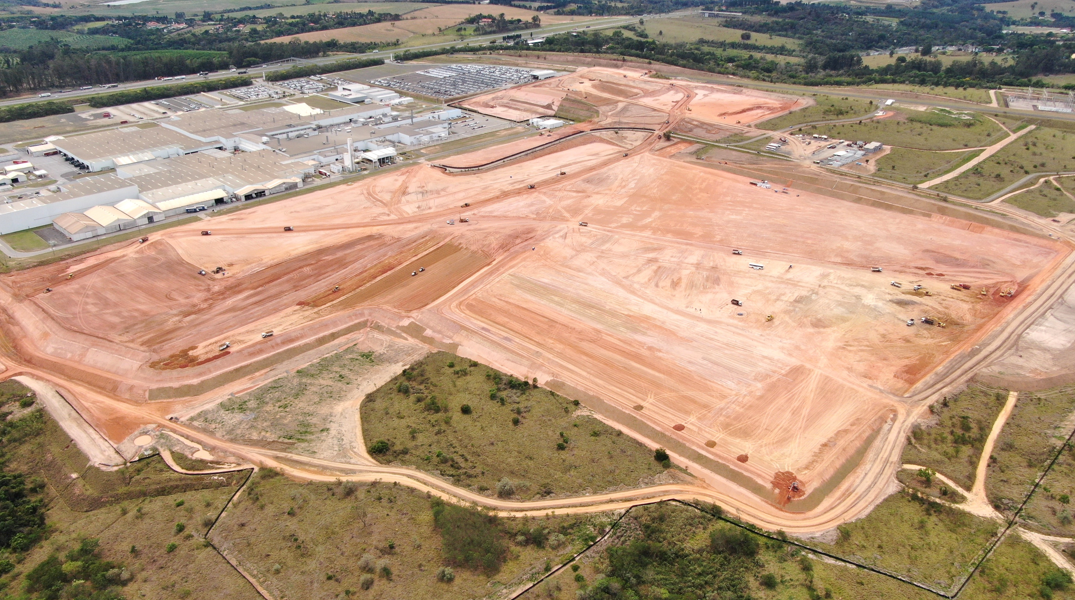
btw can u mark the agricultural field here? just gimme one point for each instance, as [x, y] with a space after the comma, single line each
[327, 541]
[1044, 150]
[397, 8]
[480, 428]
[1038, 426]
[691, 29]
[169, 7]
[825, 108]
[880, 60]
[920, 130]
[1045, 199]
[904, 165]
[1026, 9]
[950, 441]
[21, 39]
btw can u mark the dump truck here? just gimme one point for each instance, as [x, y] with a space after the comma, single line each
[207, 232]
[414, 273]
[895, 284]
[917, 287]
[464, 220]
[737, 252]
[225, 346]
[143, 240]
[756, 266]
[910, 322]
[451, 221]
[466, 204]
[964, 286]
[47, 290]
[421, 269]
[201, 272]
[289, 228]
[583, 224]
[956, 286]
[876, 269]
[927, 320]
[736, 302]
[266, 334]
[530, 187]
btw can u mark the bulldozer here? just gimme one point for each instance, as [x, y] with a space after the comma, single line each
[768, 318]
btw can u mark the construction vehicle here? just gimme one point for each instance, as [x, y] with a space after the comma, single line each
[876, 269]
[266, 334]
[413, 273]
[47, 290]
[421, 269]
[289, 228]
[910, 322]
[985, 292]
[756, 266]
[927, 320]
[225, 346]
[895, 284]
[583, 224]
[218, 270]
[201, 272]
[1008, 293]
[625, 155]
[335, 289]
[768, 318]
[942, 324]
[466, 204]
[957, 287]
[917, 287]
[737, 252]
[143, 240]
[530, 187]
[563, 172]
[451, 221]
[736, 302]
[464, 220]
[207, 233]
[964, 286]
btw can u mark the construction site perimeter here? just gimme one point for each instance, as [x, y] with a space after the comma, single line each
[775, 336]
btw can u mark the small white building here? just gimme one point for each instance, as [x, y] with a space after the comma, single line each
[544, 123]
[379, 156]
[77, 226]
[542, 74]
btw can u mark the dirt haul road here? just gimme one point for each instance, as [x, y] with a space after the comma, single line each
[815, 377]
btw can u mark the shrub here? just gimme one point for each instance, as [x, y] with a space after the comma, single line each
[171, 547]
[470, 538]
[365, 582]
[179, 528]
[465, 409]
[660, 455]
[505, 488]
[26, 403]
[737, 542]
[1056, 580]
[367, 563]
[515, 421]
[1064, 499]
[769, 581]
[384, 570]
[379, 447]
[445, 575]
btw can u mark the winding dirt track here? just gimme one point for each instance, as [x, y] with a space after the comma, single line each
[851, 499]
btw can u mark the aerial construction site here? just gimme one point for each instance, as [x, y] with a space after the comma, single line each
[777, 333]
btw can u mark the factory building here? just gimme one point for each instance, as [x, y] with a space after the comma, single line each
[127, 145]
[99, 220]
[42, 207]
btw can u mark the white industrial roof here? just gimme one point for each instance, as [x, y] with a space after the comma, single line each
[75, 222]
[303, 110]
[135, 208]
[268, 185]
[378, 153]
[46, 147]
[199, 198]
[21, 167]
[106, 215]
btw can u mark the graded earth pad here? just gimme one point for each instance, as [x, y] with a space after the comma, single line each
[613, 276]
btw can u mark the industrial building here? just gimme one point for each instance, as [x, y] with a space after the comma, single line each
[40, 207]
[100, 220]
[127, 145]
[545, 123]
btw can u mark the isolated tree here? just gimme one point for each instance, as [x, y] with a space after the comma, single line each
[745, 36]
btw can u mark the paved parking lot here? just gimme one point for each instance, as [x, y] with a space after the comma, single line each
[449, 81]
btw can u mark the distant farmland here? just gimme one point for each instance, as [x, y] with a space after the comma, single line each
[21, 39]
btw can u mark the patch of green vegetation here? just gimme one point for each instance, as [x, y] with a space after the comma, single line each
[692, 29]
[1044, 150]
[826, 108]
[1030, 439]
[1046, 200]
[354, 531]
[919, 130]
[910, 166]
[82, 573]
[951, 441]
[969, 94]
[22, 39]
[914, 536]
[1016, 570]
[535, 440]
[25, 241]
[576, 110]
[925, 482]
[469, 538]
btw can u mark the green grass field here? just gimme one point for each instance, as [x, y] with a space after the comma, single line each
[25, 241]
[1023, 9]
[1046, 200]
[915, 166]
[918, 130]
[540, 441]
[1014, 571]
[691, 29]
[309, 540]
[170, 7]
[951, 442]
[21, 39]
[1044, 150]
[398, 8]
[968, 94]
[828, 108]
